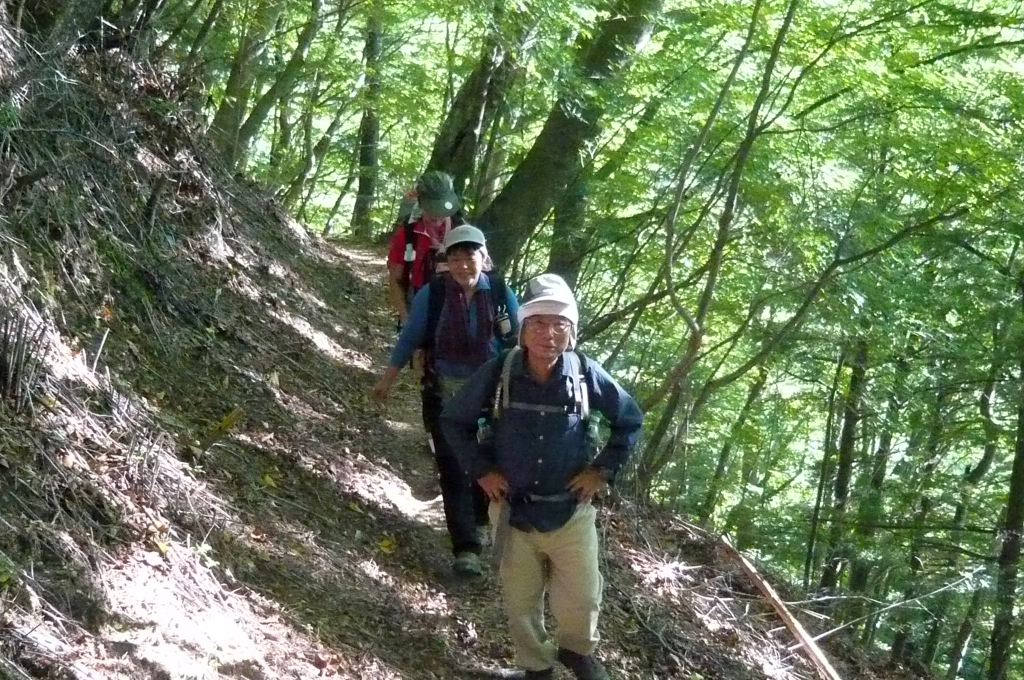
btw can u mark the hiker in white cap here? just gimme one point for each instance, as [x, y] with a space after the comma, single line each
[460, 319]
[521, 427]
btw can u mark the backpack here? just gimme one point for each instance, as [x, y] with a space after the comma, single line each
[405, 282]
[435, 303]
[409, 228]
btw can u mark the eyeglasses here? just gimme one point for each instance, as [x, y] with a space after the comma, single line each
[559, 326]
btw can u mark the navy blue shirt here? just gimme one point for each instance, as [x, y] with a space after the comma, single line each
[539, 453]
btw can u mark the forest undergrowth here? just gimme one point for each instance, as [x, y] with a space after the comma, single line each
[193, 483]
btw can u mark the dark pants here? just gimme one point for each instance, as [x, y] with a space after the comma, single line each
[465, 505]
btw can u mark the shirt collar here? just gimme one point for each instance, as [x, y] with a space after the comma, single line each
[562, 367]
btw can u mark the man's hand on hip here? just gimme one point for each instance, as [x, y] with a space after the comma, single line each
[494, 485]
[587, 483]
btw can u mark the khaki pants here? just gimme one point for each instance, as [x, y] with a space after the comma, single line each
[563, 561]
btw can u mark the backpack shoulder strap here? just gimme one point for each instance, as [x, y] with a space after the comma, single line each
[501, 389]
[578, 370]
[410, 253]
[436, 291]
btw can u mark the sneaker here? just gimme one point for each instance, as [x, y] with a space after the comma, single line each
[583, 666]
[468, 564]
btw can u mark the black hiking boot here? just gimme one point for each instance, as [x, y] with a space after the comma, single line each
[584, 667]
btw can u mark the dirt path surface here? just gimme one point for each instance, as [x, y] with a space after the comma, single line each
[294, 528]
[193, 482]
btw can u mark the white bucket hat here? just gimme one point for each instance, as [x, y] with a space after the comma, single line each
[549, 294]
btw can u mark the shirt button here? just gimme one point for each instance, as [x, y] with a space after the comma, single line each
[540, 437]
[539, 460]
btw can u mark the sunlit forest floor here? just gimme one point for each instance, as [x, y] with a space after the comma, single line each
[201, 488]
[308, 540]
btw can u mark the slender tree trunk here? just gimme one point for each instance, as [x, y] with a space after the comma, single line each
[318, 156]
[823, 471]
[963, 635]
[571, 237]
[714, 490]
[569, 230]
[493, 161]
[901, 638]
[349, 181]
[972, 477]
[650, 464]
[281, 144]
[238, 89]
[200, 40]
[171, 39]
[1003, 628]
[456, 145]
[369, 128]
[282, 86]
[716, 256]
[138, 24]
[852, 412]
[870, 510]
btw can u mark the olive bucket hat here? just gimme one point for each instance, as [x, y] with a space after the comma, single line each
[436, 193]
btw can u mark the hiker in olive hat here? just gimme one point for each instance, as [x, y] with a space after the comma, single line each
[427, 214]
[531, 456]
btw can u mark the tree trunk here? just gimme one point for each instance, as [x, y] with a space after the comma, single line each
[931, 645]
[369, 128]
[200, 40]
[572, 124]
[282, 87]
[457, 142]
[972, 477]
[298, 182]
[138, 24]
[649, 464]
[281, 144]
[1009, 556]
[852, 412]
[963, 635]
[238, 89]
[871, 625]
[171, 39]
[569, 232]
[714, 490]
[571, 238]
[870, 510]
[319, 154]
[349, 181]
[716, 256]
[823, 471]
[902, 625]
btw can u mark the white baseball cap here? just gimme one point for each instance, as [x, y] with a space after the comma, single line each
[464, 234]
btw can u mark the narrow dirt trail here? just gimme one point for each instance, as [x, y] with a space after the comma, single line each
[278, 524]
[348, 535]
